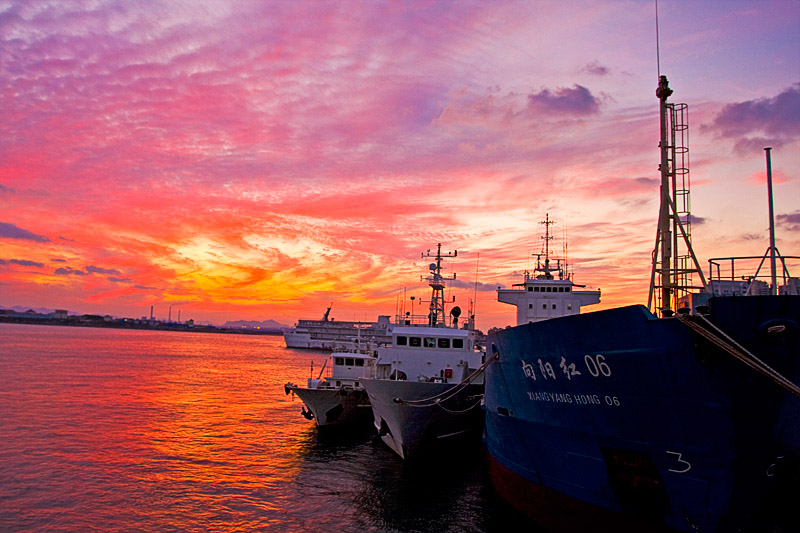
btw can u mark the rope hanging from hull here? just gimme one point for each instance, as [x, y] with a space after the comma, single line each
[449, 393]
[721, 339]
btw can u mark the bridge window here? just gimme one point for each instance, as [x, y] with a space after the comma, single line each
[415, 341]
[430, 342]
[359, 362]
[348, 361]
[458, 343]
[444, 343]
[338, 361]
[402, 340]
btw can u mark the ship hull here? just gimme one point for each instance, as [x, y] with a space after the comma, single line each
[638, 419]
[414, 429]
[333, 407]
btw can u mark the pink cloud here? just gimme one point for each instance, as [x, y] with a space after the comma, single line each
[760, 178]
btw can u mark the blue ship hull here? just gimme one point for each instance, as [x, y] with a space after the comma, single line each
[620, 420]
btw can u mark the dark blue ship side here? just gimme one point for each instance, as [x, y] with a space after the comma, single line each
[641, 416]
[680, 416]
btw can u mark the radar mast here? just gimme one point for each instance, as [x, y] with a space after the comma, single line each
[674, 262]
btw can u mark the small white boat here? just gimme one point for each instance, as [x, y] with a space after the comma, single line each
[338, 398]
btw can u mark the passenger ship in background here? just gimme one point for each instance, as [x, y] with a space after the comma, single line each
[680, 416]
[333, 335]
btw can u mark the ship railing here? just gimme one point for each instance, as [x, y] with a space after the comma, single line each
[754, 270]
[422, 321]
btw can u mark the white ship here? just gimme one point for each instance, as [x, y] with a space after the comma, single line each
[332, 335]
[429, 383]
[338, 398]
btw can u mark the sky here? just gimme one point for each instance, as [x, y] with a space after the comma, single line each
[263, 160]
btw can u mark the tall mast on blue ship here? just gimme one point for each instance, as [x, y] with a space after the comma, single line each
[674, 260]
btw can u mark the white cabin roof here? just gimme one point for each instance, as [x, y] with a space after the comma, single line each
[352, 355]
[418, 331]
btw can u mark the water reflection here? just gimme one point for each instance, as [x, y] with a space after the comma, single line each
[128, 430]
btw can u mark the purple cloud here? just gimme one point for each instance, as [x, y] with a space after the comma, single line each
[462, 284]
[760, 123]
[575, 101]
[791, 221]
[100, 270]
[10, 231]
[655, 182]
[119, 280]
[68, 271]
[596, 69]
[21, 262]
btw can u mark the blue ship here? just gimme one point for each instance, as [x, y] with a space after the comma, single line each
[683, 415]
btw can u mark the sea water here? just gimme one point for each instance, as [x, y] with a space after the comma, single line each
[129, 430]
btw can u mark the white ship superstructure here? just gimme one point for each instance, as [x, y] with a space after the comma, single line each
[339, 397]
[549, 291]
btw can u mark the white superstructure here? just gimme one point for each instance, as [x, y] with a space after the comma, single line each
[549, 292]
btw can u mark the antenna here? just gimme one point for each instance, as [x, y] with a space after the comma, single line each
[658, 50]
[566, 250]
[475, 291]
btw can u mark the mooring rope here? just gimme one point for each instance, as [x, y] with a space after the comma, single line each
[448, 393]
[462, 411]
[724, 341]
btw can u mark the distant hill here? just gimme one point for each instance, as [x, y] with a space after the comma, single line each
[253, 324]
[40, 310]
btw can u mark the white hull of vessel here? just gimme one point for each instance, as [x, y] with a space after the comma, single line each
[411, 429]
[332, 406]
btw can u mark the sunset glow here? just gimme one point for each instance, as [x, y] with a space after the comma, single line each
[260, 160]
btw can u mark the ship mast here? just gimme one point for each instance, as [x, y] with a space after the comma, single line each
[674, 261]
[547, 238]
[436, 281]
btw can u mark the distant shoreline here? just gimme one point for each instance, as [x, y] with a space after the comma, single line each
[160, 326]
